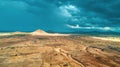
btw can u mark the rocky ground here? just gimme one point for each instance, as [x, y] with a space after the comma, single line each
[58, 51]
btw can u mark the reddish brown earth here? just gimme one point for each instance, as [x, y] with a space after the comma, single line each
[58, 51]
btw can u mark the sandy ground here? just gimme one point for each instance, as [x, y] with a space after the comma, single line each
[49, 50]
[13, 33]
[115, 39]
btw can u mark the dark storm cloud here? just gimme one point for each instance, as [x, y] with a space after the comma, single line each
[55, 14]
[105, 10]
[96, 13]
[46, 14]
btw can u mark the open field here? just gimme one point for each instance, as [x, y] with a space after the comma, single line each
[26, 50]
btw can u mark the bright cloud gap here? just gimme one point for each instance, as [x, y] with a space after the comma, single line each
[68, 10]
[91, 28]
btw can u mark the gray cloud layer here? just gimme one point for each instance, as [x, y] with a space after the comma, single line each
[55, 14]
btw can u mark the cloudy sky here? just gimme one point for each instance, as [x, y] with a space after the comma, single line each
[60, 15]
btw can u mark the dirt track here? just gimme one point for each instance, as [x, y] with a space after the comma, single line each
[69, 57]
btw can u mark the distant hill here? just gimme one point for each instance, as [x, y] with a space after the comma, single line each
[39, 32]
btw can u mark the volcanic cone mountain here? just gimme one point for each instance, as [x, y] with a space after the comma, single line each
[39, 32]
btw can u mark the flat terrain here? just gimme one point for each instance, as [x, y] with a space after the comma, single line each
[58, 51]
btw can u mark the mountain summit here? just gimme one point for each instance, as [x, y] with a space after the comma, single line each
[39, 32]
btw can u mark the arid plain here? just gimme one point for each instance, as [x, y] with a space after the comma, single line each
[26, 50]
